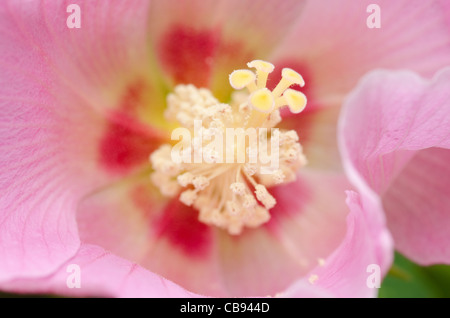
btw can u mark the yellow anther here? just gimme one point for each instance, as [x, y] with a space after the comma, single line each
[262, 100]
[263, 69]
[295, 100]
[243, 78]
[288, 78]
[293, 76]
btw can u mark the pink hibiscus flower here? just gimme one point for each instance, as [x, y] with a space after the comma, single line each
[83, 109]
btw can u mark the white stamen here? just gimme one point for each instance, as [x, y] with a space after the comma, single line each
[185, 179]
[200, 182]
[264, 197]
[238, 188]
[188, 197]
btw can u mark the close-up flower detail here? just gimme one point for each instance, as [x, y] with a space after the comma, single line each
[235, 148]
[228, 179]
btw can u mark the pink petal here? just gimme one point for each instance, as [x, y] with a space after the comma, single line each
[334, 42]
[133, 221]
[94, 60]
[164, 236]
[367, 243]
[332, 47]
[202, 41]
[44, 170]
[304, 289]
[417, 206]
[101, 274]
[307, 224]
[257, 264]
[312, 209]
[394, 135]
[58, 86]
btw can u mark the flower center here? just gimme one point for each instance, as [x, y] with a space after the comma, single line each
[226, 181]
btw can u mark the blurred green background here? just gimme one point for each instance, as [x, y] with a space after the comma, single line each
[409, 280]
